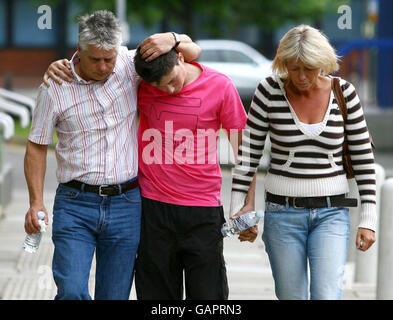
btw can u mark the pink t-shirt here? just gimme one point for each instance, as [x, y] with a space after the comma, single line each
[178, 136]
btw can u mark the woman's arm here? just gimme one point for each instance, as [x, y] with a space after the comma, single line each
[249, 203]
[250, 150]
[363, 163]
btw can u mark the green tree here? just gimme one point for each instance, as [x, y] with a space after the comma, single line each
[225, 16]
[218, 17]
[270, 15]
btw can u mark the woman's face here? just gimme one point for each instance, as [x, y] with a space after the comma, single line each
[302, 76]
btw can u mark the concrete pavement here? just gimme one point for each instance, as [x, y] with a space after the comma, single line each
[28, 276]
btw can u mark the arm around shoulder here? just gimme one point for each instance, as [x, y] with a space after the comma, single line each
[58, 70]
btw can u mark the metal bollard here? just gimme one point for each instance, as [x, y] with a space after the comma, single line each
[367, 261]
[385, 252]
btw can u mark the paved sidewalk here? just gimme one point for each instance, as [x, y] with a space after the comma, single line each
[29, 277]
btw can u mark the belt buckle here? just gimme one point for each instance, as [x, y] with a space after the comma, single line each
[100, 190]
[294, 204]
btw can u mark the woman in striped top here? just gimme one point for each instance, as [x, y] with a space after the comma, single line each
[306, 214]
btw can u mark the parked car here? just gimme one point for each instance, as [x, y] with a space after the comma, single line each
[242, 63]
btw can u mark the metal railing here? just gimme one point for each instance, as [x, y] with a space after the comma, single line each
[21, 107]
[18, 98]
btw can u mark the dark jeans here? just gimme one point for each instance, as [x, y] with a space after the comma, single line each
[177, 239]
[85, 222]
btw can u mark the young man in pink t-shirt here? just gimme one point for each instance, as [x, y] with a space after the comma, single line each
[182, 108]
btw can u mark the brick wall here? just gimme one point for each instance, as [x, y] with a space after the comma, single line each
[25, 67]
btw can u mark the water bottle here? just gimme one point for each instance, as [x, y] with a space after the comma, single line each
[32, 241]
[243, 222]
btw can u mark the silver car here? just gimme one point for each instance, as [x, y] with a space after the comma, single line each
[243, 64]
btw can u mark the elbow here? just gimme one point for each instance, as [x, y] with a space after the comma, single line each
[195, 52]
[198, 51]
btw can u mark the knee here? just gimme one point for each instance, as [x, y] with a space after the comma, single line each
[70, 289]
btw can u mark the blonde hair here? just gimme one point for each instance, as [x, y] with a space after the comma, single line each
[310, 46]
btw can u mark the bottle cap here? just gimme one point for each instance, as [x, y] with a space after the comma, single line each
[41, 215]
[260, 213]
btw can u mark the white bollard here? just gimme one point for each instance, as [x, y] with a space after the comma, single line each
[354, 214]
[349, 272]
[385, 252]
[367, 261]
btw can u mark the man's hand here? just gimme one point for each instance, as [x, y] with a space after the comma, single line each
[250, 234]
[364, 239]
[58, 71]
[156, 45]
[31, 220]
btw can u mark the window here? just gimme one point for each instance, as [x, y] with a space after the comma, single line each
[236, 57]
[230, 56]
[210, 56]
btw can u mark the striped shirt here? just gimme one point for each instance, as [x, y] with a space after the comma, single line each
[305, 163]
[95, 122]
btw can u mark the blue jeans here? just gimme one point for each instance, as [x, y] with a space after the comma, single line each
[84, 223]
[295, 237]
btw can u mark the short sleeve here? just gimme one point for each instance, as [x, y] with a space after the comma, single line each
[43, 121]
[232, 113]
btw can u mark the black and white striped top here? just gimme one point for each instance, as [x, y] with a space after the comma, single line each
[304, 163]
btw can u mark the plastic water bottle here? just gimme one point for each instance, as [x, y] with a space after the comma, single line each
[32, 241]
[243, 222]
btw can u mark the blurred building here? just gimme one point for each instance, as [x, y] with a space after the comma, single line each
[366, 47]
[29, 42]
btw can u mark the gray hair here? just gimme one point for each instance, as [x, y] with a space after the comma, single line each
[101, 29]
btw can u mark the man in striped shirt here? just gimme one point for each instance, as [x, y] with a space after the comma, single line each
[97, 206]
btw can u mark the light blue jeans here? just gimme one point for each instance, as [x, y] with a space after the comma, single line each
[295, 237]
[84, 223]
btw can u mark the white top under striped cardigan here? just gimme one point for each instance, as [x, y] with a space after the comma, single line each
[305, 164]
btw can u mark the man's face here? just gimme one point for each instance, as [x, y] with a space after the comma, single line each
[96, 63]
[174, 80]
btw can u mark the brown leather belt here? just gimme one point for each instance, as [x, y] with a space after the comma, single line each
[104, 189]
[312, 202]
